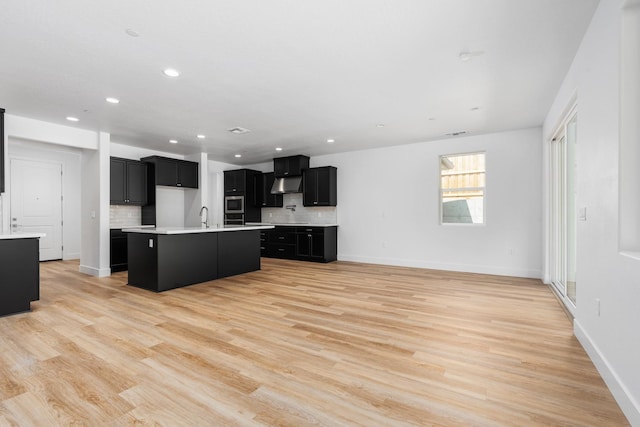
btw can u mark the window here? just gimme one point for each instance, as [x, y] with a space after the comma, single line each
[462, 183]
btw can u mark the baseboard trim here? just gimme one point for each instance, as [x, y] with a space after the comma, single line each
[629, 406]
[97, 272]
[463, 268]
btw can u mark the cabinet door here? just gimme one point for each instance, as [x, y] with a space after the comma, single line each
[281, 166]
[317, 245]
[323, 187]
[303, 245]
[118, 181]
[234, 182]
[166, 172]
[136, 183]
[310, 187]
[187, 174]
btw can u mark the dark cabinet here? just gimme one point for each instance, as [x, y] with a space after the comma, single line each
[270, 200]
[290, 166]
[128, 183]
[174, 172]
[247, 183]
[1, 150]
[235, 182]
[19, 274]
[319, 186]
[118, 250]
[318, 244]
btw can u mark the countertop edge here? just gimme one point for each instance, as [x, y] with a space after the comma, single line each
[291, 225]
[13, 236]
[177, 230]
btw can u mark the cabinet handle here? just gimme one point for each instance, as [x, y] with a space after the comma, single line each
[308, 235]
[315, 203]
[309, 229]
[281, 250]
[281, 238]
[179, 185]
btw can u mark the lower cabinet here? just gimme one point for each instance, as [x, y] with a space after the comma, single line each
[118, 251]
[19, 274]
[318, 244]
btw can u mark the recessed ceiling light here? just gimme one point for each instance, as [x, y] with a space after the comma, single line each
[238, 130]
[173, 141]
[431, 118]
[200, 136]
[238, 155]
[474, 108]
[73, 119]
[170, 72]
[278, 148]
[132, 32]
[113, 100]
[330, 141]
[466, 55]
[380, 125]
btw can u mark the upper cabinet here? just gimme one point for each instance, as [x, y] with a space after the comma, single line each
[235, 182]
[174, 172]
[290, 166]
[128, 182]
[320, 186]
[1, 150]
[270, 200]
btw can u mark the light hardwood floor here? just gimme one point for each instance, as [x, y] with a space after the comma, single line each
[298, 344]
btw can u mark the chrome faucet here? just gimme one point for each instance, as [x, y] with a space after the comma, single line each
[206, 216]
[292, 207]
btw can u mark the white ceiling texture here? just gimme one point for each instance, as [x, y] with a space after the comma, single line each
[296, 73]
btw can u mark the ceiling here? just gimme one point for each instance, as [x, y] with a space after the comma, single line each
[365, 73]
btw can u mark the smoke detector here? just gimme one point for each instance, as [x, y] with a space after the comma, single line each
[458, 133]
[238, 130]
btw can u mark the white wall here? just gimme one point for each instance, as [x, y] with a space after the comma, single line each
[612, 338]
[215, 197]
[70, 159]
[388, 206]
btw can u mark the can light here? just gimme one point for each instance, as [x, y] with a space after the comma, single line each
[73, 119]
[171, 72]
[112, 100]
[173, 141]
[238, 156]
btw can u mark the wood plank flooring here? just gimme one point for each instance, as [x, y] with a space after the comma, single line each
[298, 344]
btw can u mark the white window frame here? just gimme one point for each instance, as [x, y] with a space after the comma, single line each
[484, 191]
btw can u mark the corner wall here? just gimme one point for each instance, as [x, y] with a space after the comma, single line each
[388, 206]
[610, 335]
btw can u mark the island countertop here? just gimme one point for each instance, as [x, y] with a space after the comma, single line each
[291, 224]
[18, 235]
[193, 230]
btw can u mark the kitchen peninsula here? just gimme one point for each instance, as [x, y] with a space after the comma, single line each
[166, 258]
[19, 271]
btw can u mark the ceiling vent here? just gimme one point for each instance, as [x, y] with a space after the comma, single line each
[238, 130]
[460, 132]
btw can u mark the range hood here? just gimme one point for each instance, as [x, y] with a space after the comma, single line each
[291, 184]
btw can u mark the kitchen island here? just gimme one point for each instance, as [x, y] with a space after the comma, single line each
[166, 258]
[19, 271]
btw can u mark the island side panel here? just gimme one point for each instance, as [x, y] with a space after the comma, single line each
[186, 259]
[142, 256]
[238, 252]
[19, 275]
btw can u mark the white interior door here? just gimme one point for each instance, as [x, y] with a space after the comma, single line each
[36, 203]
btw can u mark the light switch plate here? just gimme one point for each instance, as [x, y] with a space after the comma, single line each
[151, 243]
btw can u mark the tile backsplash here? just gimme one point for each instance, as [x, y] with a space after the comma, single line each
[302, 214]
[125, 216]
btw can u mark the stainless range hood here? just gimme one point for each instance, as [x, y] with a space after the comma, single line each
[291, 184]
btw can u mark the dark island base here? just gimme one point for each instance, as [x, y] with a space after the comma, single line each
[159, 262]
[19, 275]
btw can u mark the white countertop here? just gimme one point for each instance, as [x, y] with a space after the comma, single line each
[6, 236]
[295, 224]
[120, 227]
[193, 230]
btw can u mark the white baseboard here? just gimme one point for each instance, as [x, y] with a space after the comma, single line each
[97, 272]
[463, 268]
[629, 406]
